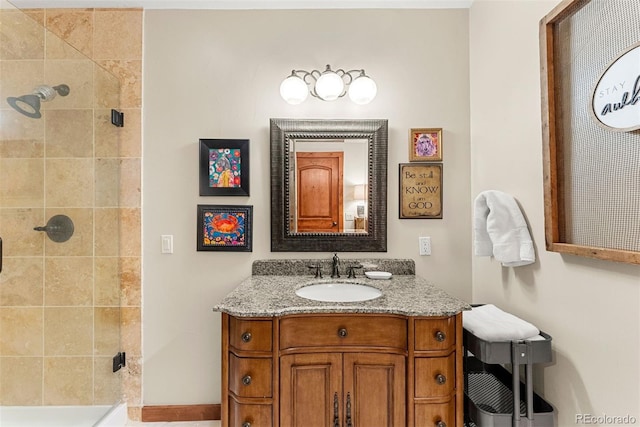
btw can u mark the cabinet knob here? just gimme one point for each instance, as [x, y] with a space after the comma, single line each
[342, 332]
[438, 424]
[440, 336]
[246, 337]
[248, 424]
[246, 380]
[441, 379]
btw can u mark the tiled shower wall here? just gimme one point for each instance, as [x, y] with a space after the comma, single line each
[113, 39]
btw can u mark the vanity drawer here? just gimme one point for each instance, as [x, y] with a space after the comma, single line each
[435, 414]
[250, 377]
[243, 415]
[435, 376]
[435, 334]
[250, 335]
[342, 331]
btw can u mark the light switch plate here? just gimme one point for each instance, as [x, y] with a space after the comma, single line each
[167, 244]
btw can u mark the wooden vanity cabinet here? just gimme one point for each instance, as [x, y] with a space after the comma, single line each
[359, 370]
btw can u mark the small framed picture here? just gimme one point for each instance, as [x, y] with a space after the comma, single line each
[420, 191]
[224, 167]
[224, 228]
[425, 145]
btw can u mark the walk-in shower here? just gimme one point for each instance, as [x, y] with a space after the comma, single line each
[60, 231]
[29, 105]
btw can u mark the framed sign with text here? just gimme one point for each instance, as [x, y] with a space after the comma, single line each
[420, 191]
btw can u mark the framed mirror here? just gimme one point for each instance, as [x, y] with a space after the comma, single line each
[328, 185]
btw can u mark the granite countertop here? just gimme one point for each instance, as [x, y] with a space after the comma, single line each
[268, 295]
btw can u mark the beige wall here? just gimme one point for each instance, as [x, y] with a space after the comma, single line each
[216, 74]
[590, 307]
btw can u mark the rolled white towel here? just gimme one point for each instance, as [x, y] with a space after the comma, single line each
[490, 323]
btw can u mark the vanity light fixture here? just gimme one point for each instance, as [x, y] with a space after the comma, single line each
[328, 85]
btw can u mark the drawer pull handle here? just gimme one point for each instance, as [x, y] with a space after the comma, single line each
[248, 424]
[246, 337]
[438, 424]
[342, 332]
[246, 380]
[440, 337]
[441, 379]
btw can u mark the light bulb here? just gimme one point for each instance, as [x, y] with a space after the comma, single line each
[294, 90]
[329, 86]
[362, 90]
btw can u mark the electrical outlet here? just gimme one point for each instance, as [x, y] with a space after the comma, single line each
[425, 245]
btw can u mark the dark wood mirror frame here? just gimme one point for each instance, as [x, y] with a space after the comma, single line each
[283, 133]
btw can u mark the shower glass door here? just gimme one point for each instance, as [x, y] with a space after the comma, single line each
[59, 220]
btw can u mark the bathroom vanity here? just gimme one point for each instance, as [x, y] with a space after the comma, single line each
[395, 360]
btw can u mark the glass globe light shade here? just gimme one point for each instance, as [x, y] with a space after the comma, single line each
[329, 86]
[362, 90]
[294, 90]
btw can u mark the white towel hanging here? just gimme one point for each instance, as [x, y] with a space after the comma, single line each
[501, 230]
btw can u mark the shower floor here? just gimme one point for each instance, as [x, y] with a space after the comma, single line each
[63, 416]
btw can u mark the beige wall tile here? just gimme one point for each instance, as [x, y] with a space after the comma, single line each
[107, 136]
[131, 321]
[118, 34]
[73, 26]
[107, 232]
[78, 75]
[21, 37]
[69, 133]
[107, 284]
[130, 281]
[130, 183]
[68, 331]
[68, 281]
[20, 148]
[81, 243]
[129, 73]
[20, 78]
[107, 87]
[21, 381]
[21, 281]
[107, 331]
[21, 182]
[130, 226]
[107, 182]
[21, 331]
[132, 383]
[68, 380]
[18, 236]
[106, 389]
[69, 182]
[57, 48]
[131, 136]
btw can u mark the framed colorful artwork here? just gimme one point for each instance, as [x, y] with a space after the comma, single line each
[224, 228]
[425, 145]
[420, 191]
[224, 167]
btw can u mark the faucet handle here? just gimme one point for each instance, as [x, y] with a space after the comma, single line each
[318, 270]
[351, 274]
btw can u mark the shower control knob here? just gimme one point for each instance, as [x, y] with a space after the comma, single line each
[342, 332]
[246, 337]
[441, 379]
[246, 380]
[248, 424]
[440, 336]
[441, 424]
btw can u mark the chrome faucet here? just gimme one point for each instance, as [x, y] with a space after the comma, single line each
[335, 266]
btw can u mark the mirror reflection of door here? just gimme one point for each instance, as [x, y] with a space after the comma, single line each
[319, 193]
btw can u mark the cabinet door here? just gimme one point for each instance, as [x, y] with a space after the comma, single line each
[309, 386]
[374, 388]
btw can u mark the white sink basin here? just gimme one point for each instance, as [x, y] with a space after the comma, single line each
[338, 292]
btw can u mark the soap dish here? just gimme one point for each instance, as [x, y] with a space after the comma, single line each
[381, 275]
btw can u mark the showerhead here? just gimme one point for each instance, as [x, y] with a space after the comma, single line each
[29, 105]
